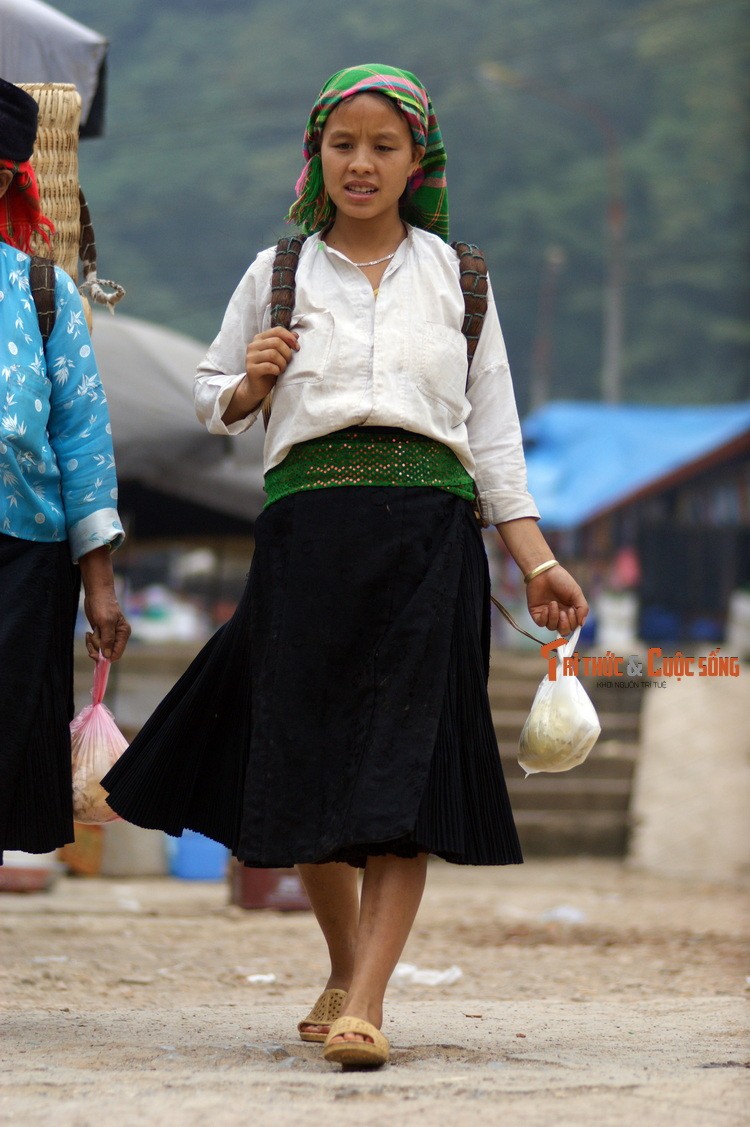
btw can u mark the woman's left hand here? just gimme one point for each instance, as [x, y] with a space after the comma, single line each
[556, 601]
[110, 629]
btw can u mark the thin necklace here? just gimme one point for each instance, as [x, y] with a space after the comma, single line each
[376, 261]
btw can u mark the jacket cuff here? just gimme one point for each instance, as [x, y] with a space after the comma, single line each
[94, 531]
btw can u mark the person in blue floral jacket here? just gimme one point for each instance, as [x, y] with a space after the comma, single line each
[58, 510]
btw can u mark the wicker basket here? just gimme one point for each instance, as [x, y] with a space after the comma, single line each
[55, 161]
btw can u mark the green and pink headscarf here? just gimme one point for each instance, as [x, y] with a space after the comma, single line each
[425, 201]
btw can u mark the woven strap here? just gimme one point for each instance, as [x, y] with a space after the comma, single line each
[474, 287]
[42, 285]
[283, 289]
[87, 241]
[91, 283]
[283, 280]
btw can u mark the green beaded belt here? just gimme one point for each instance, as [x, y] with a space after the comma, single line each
[368, 456]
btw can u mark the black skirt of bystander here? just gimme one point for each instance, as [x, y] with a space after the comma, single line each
[38, 605]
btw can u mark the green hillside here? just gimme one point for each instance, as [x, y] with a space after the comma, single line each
[207, 105]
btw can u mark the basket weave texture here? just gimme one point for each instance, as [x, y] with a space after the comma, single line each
[55, 161]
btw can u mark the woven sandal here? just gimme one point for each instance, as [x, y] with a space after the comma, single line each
[326, 1009]
[356, 1054]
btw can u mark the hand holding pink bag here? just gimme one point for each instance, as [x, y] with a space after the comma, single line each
[96, 743]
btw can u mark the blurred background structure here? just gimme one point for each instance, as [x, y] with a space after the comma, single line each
[621, 117]
[598, 153]
[40, 40]
[175, 477]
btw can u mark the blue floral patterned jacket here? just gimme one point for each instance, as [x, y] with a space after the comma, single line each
[57, 467]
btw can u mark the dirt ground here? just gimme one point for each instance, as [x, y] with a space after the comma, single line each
[589, 994]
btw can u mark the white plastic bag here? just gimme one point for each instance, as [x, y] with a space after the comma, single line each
[562, 726]
[96, 743]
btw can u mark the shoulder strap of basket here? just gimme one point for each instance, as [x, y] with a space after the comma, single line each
[474, 288]
[42, 285]
[283, 279]
[283, 288]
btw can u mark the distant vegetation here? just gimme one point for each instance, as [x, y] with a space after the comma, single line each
[207, 105]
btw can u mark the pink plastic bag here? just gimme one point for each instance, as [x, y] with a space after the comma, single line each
[97, 743]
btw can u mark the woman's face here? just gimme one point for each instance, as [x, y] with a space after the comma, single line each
[368, 155]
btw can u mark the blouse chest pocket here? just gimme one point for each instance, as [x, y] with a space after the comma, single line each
[441, 367]
[308, 365]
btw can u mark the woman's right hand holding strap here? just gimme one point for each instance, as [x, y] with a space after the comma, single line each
[266, 357]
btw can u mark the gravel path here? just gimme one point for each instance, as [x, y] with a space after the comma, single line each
[588, 995]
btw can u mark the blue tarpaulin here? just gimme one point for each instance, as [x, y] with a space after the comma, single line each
[584, 458]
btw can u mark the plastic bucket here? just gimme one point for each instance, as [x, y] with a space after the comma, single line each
[195, 857]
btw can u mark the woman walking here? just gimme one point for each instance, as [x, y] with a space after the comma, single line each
[341, 719]
[58, 509]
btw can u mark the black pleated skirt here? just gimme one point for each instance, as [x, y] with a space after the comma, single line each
[38, 604]
[343, 710]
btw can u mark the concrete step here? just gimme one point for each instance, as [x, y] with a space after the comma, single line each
[508, 723]
[515, 677]
[565, 833]
[582, 811]
[520, 694]
[566, 793]
[609, 759]
[517, 663]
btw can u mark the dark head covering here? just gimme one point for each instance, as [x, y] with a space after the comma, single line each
[21, 217]
[18, 119]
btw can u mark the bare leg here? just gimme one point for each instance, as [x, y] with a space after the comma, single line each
[334, 896]
[391, 893]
